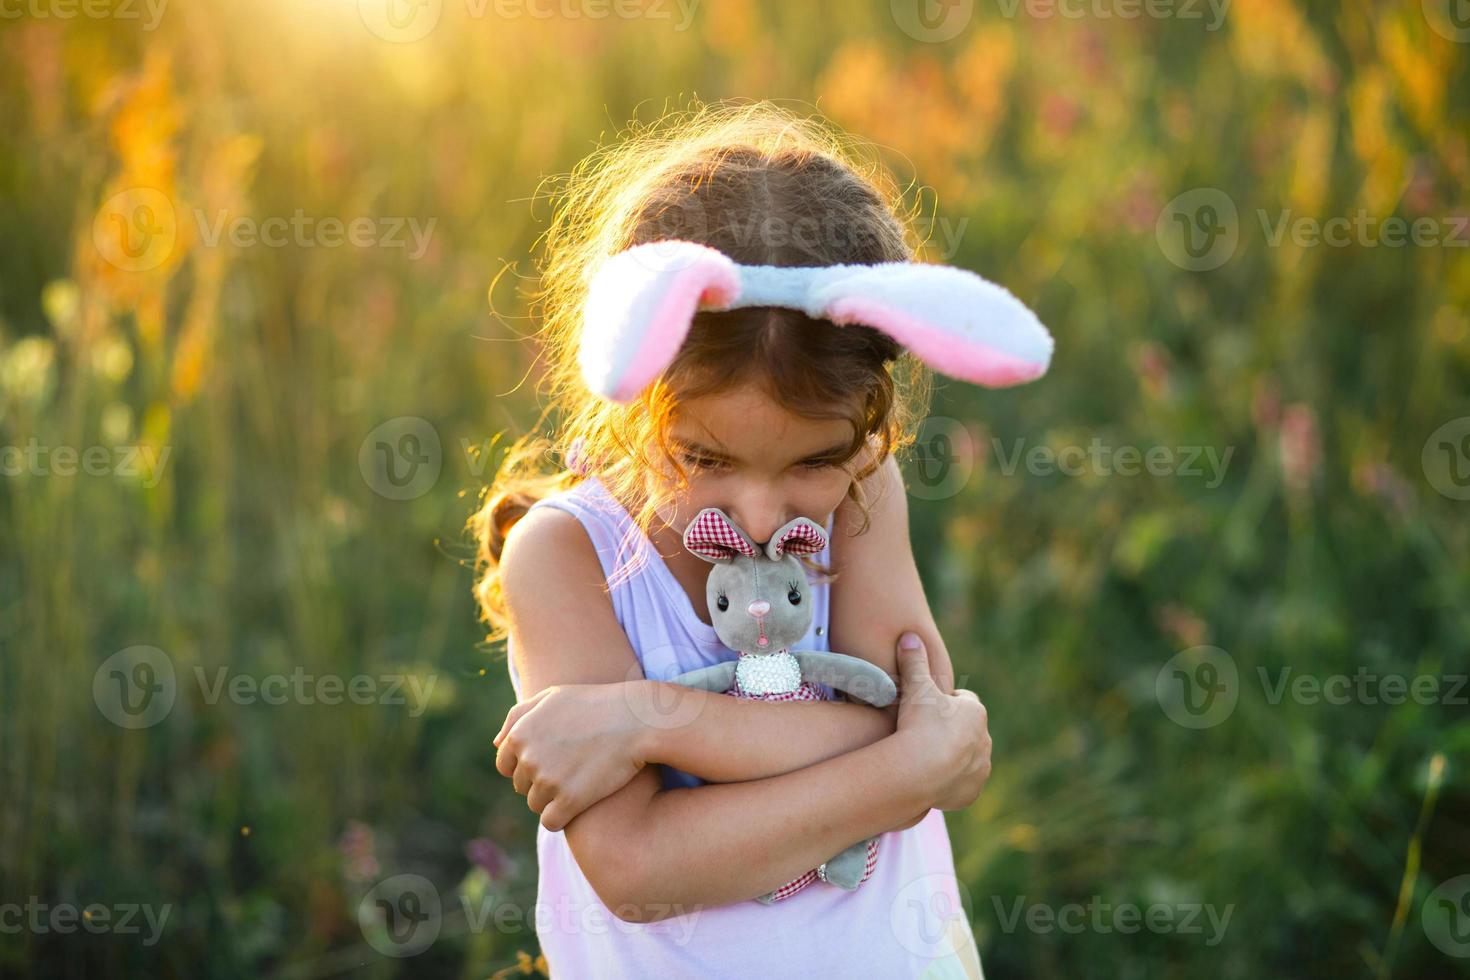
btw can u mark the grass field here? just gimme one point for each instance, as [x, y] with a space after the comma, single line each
[1212, 576]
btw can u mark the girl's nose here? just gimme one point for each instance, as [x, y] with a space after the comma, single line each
[758, 608]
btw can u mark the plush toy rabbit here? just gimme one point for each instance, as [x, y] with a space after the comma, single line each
[759, 603]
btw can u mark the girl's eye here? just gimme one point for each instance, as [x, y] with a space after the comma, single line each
[818, 464]
[794, 597]
[723, 603]
[702, 462]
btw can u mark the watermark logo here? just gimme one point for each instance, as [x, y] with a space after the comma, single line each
[1446, 917]
[401, 916]
[1199, 230]
[930, 917]
[1198, 687]
[400, 21]
[401, 459]
[932, 21]
[1446, 459]
[943, 460]
[135, 687]
[136, 229]
[1450, 19]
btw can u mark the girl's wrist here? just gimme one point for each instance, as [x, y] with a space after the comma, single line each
[918, 780]
[656, 708]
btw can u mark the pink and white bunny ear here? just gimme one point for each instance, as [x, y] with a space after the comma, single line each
[639, 306]
[953, 320]
[641, 303]
[715, 538]
[798, 537]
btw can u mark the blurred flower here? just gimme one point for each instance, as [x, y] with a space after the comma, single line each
[1152, 364]
[861, 84]
[1183, 625]
[1383, 482]
[1266, 404]
[525, 966]
[1059, 115]
[27, 369]
[1139, 210]
[60, 300]
[38, 47]
[359, 860]
[489, 857]
[117, 424]
[112, 358]
[1301, 448]
[1418, 196]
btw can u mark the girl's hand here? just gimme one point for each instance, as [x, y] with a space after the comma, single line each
[948, 733]
[569, 746]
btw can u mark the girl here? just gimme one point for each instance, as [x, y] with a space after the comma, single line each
[769, 414]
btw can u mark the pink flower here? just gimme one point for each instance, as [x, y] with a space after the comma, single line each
[487, 855]
[359, 862]
[1301, 448]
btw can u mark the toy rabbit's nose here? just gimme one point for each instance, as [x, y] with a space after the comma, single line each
[758, 608]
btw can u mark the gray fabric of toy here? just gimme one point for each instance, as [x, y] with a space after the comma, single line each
[759, 604]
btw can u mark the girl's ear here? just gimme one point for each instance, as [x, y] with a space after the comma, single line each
[799, 537]
[715, 538]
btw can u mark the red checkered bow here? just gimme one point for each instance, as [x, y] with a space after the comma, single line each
[714, 537]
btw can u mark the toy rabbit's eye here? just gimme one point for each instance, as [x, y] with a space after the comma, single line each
[723, 603]
[794, 597]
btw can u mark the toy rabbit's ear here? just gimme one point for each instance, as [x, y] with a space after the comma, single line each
[955, 321]
[715, 538]
[799, 537]
[639, 306]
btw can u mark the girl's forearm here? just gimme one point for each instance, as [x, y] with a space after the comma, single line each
[716, 844]
[723, 739]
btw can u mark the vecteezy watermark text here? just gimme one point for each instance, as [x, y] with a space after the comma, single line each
[403, 915]
[65, 918]
[136, 688]
[1096, 915]
[308, 231]
[35, 459]
[303, 688]
[1100, 459]
[90, 9]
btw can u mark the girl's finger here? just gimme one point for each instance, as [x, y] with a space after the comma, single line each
[523, 780]
[553, 818]
[515, 713]
[505, 760]
[539, 798]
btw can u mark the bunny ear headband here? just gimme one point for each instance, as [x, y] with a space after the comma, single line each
[715, 538]
[641, 302]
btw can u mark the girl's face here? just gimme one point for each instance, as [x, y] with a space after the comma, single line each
[758, 463]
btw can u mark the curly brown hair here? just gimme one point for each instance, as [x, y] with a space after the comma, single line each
[766, 187]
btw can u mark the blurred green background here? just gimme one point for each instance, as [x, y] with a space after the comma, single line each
[1148, 183]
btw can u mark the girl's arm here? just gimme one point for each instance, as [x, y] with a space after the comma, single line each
[724, 739]
[651, 850]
